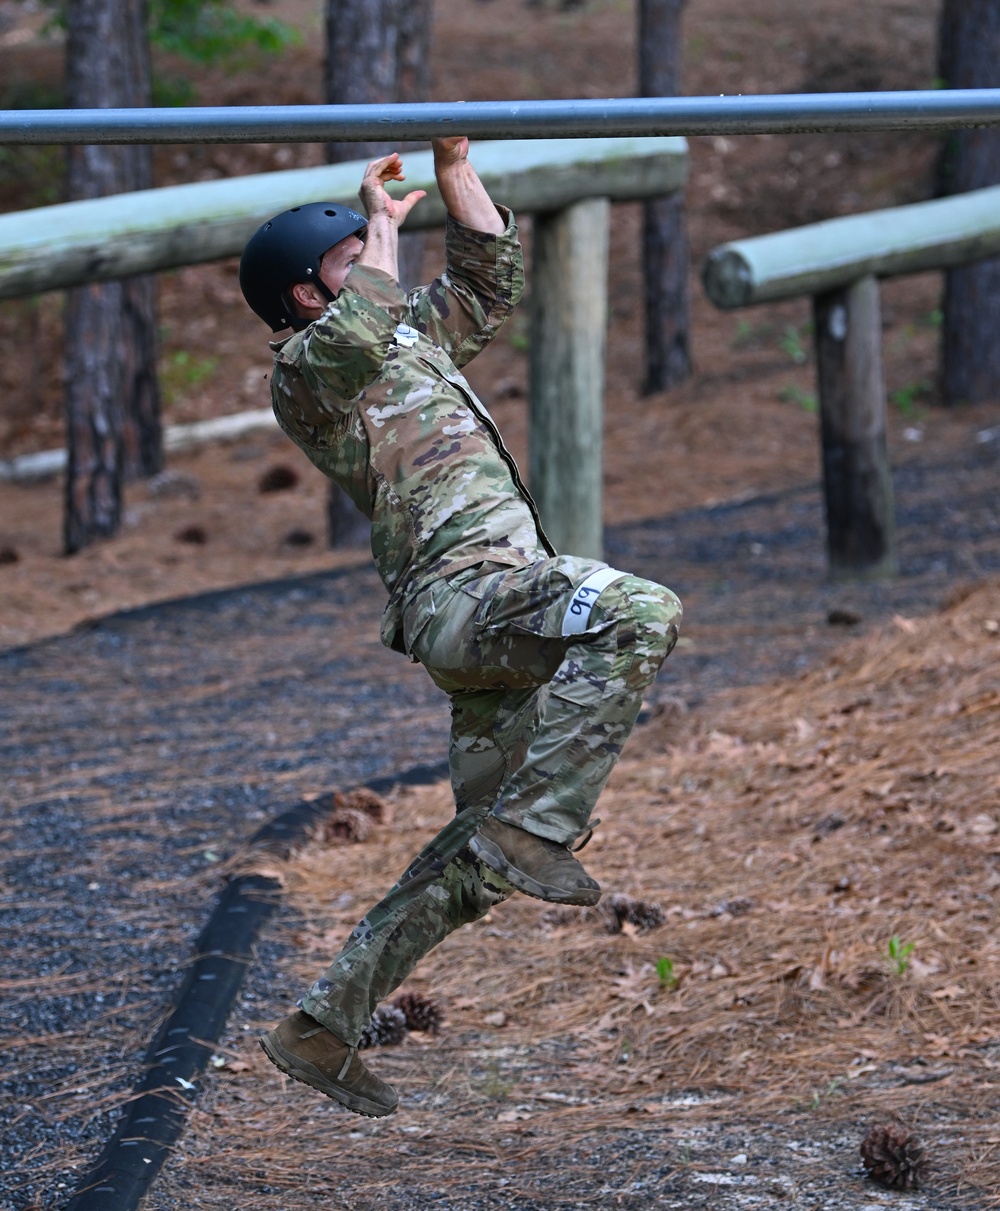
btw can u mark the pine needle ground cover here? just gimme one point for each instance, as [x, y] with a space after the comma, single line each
[805, 945]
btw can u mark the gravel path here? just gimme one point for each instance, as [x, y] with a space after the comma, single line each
[140, 753]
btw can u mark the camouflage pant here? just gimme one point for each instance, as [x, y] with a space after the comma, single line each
[545, 666]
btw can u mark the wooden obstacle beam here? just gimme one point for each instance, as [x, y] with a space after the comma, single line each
[838, 264]
[566, 184]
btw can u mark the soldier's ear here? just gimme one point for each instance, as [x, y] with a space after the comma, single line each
[307, 296]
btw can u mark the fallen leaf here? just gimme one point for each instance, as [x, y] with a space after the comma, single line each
[922, 970]
[951, 992]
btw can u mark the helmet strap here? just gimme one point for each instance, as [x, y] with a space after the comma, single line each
[315, 280]
[299, 322]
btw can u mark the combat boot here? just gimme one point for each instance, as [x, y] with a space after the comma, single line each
[535, 865]
[308, 1052]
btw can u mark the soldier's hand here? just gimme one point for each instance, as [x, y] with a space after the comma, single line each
[450, 150]
[376, 200]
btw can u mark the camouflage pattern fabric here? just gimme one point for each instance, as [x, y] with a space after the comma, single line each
[372, 393]
[538, 721]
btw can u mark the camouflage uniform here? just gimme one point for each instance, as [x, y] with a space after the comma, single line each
[545, 657]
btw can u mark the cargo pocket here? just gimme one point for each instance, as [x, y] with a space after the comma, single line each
[436, 623]
[417, 616]
[534, 600]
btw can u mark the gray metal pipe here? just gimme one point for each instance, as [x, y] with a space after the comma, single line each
[619, 116]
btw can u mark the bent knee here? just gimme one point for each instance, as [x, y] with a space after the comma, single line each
[657, 612]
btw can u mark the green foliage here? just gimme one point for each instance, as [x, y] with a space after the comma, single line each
[172, 91]
[795, 395]
[31, 174]
[792, 342]
[181, 373]
[899, 953]
[519, 332]
[18, 93]
[820, 1095]
[907, 398]
[495, 1085]
[746, 335]
[34, 175]
[665, 972]
[211, 31]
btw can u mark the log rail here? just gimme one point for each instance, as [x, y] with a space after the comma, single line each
[838, 264]
[565, 185]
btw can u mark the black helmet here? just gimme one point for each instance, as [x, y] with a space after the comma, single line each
[288, 249]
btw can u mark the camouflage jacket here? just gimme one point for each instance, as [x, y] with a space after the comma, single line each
[372, 393]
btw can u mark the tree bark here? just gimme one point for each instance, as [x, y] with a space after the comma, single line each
[377, 53]
[112, 397]
[969, 57]
[666, 256]
[95, 421]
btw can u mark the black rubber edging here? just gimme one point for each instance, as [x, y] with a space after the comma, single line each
[160, 1103]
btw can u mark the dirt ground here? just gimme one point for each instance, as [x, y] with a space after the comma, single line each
[728, 1047]
[788, 831]
[802, 936]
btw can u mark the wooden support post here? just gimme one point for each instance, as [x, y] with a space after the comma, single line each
[861, 530]
[568, 335]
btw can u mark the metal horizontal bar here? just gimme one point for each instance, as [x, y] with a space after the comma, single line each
[886, 243]
[615, 117]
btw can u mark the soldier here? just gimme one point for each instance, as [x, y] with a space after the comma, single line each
[545, 657]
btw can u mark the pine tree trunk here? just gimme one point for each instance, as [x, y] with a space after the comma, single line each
[140, 384]
[112, 398]
[143, 423]
[665, 247]
[377, 53]
[95, 419]
[969, 57]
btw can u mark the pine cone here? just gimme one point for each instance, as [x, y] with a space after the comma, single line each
[620, 908]
[421, 1012]
[894, 1157]
[364, 800]
[348, 824]
[388, 1026]
[353, 815]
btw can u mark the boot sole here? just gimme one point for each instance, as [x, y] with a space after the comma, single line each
[308, 1074]
[492, 855]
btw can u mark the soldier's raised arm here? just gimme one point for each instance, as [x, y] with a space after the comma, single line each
[462, 192]
[462, 310]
